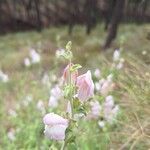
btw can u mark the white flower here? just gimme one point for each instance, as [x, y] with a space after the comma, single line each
[95, 110]
[120, 64]
[144, 52]
[55, 126]
[27, 62]
[109, 101]
[110, 77]
[97, 86]
[53, 102]
[106, 85]
[46, 80]
[55, 95]
[97, 73]
[60, 52]
[101, 124]
[35, 57]
[3, 77]
[106, 88]
[115, 110]
[110, 109]
[11, 135]
[27, 100]
[12, 113]
[40, 106]
[56, 92]
[116, 55]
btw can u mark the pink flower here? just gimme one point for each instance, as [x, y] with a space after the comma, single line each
[55, 95]
[109, 102]
[55, 126]
[56, 92]
[53, 102]
[106, 85]
[97, 73]
[85, 86]
[66, 75]
[95, 110]
[110, 109]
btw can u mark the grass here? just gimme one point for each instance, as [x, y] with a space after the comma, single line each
[132, 130]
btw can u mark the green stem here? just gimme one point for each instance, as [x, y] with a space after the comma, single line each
[71, 94]
[63, 145]
[71, 102]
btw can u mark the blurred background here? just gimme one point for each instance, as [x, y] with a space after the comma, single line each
[22, 15]
[33, 31]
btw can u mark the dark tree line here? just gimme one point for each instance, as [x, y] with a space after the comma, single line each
[42, 13]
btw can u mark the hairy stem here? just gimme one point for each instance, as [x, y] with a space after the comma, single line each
[63, 145]
[71, 94]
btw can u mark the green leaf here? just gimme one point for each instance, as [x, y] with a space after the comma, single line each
[75, 67]
[52, 147]
[68, 55]
[69, 45]
[72, 146]
[71, 139]
[82, 109]
[76, 103]
[67, 91]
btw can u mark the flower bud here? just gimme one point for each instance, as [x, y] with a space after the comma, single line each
[55, 126]
[67, 72]
[85, 86]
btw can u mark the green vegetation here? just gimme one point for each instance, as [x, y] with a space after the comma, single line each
[133, 86]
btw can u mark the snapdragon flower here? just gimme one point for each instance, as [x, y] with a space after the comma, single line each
[110, 110]
[106, 85]
[56, 92]
[85, 86]
[55, 126]
[55, 95]
[67, 74]
[95, 110]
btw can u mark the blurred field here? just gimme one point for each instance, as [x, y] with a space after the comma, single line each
[132, 130]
